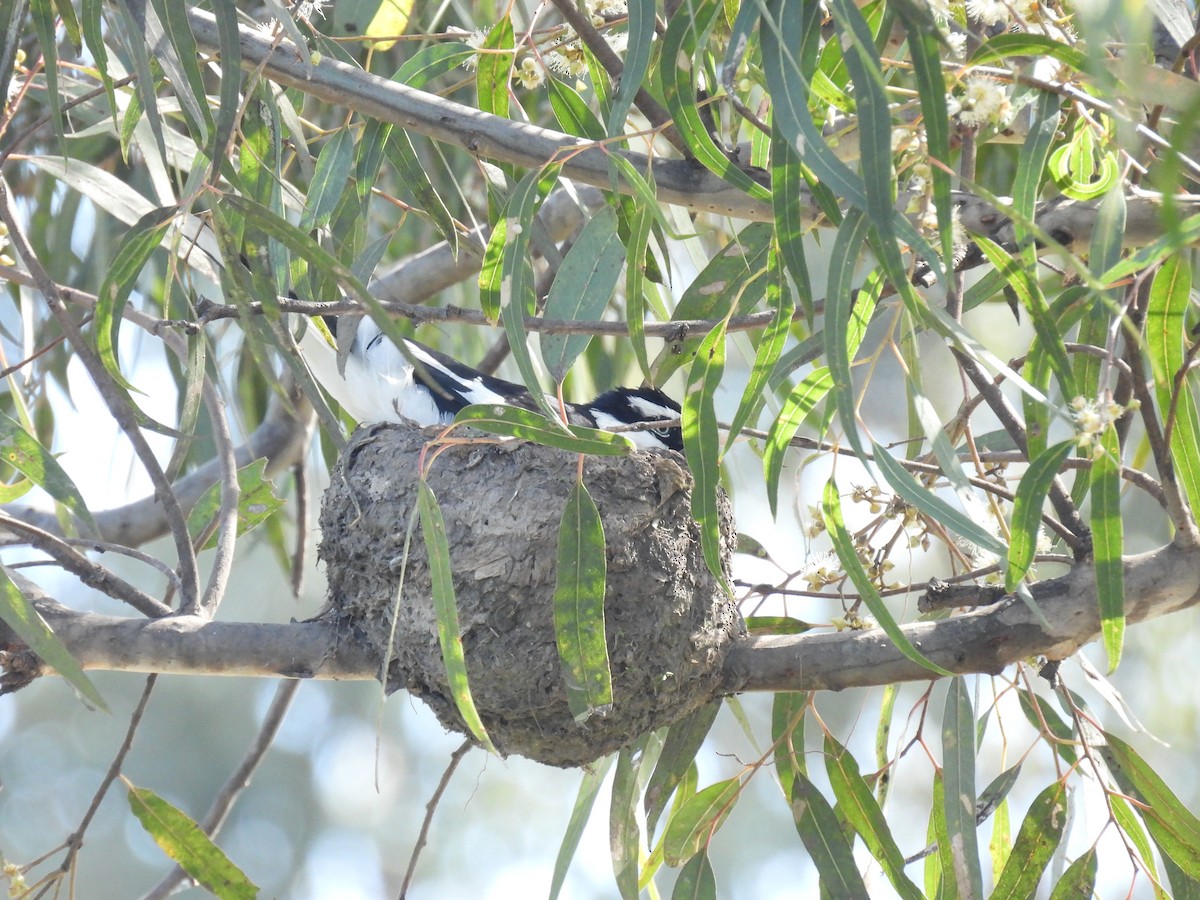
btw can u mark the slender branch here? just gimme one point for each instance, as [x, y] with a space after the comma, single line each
[1059, 497]
[672, 331]
[455, 758]
[75, 841]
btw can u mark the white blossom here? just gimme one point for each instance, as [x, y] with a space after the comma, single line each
[530, 73]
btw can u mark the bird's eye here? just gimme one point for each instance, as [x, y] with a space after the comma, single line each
[661, 432]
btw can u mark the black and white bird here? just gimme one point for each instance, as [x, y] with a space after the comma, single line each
[379, 383]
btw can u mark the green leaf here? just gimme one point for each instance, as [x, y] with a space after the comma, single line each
[1027, 511]
[687, 31]
[776, 625]
[958, 770]
[572, 112]
[693, 825]
[1079, 881]
[1043, 829]
[433, 529]
[683, 742]
[516, 287]
[822, 836]
[495, 68]
[589, 788]
[579, 607]
[25, 621]
[637, 242]
[787, 204]
[701, 444]
[1166, 339]
[329, 180]
[21, 450]
[134, 251]
[415, 174]
[787, 735]
[858, 805]
[186, 843]
[730, 284]
[527, 425]
[839, 300]
[770, 346]
[257, 502]
[798, 406]
[42, 13]
[623, 837]
[582, 288]
[1107, 544]
[1174, 828]
[696, 880]
[909, 489]
[843, 544]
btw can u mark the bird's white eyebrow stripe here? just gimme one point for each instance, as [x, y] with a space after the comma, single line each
[649, 408]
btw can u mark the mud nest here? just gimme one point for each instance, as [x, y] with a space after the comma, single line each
[668, 623]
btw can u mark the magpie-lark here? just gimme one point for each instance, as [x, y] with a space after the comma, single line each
[379, 383]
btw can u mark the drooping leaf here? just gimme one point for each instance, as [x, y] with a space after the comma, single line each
[579, 607]
[1027, 511]
[861, 810]
[958, 770]
[701, 444]
[692, 826]
[186, 843]
[831, 854]
[581, 290]
[696, 880]
[843, 544]
[433, 529]
[589, 788]
[1107, 544]
[683, 742]
[1043, 829]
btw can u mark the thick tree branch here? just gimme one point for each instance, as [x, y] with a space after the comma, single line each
[676, 181]
[983, 641]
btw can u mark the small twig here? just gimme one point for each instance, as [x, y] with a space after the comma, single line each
[109, 547]
[1079, 542]
[90, 573]
[455, 758]
[75, 841]
[237, 782]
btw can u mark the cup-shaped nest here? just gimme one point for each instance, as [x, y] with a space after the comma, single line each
[668, 622]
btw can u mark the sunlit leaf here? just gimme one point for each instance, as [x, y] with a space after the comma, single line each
[433, 529]
[1107, 543]
[693, 825]
[21, 450]
[683, 742]
[831, 854]
[579, 607]
[257, 502]
[958, 769]
[527, 425]
[183, 840]
[1039, 837]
